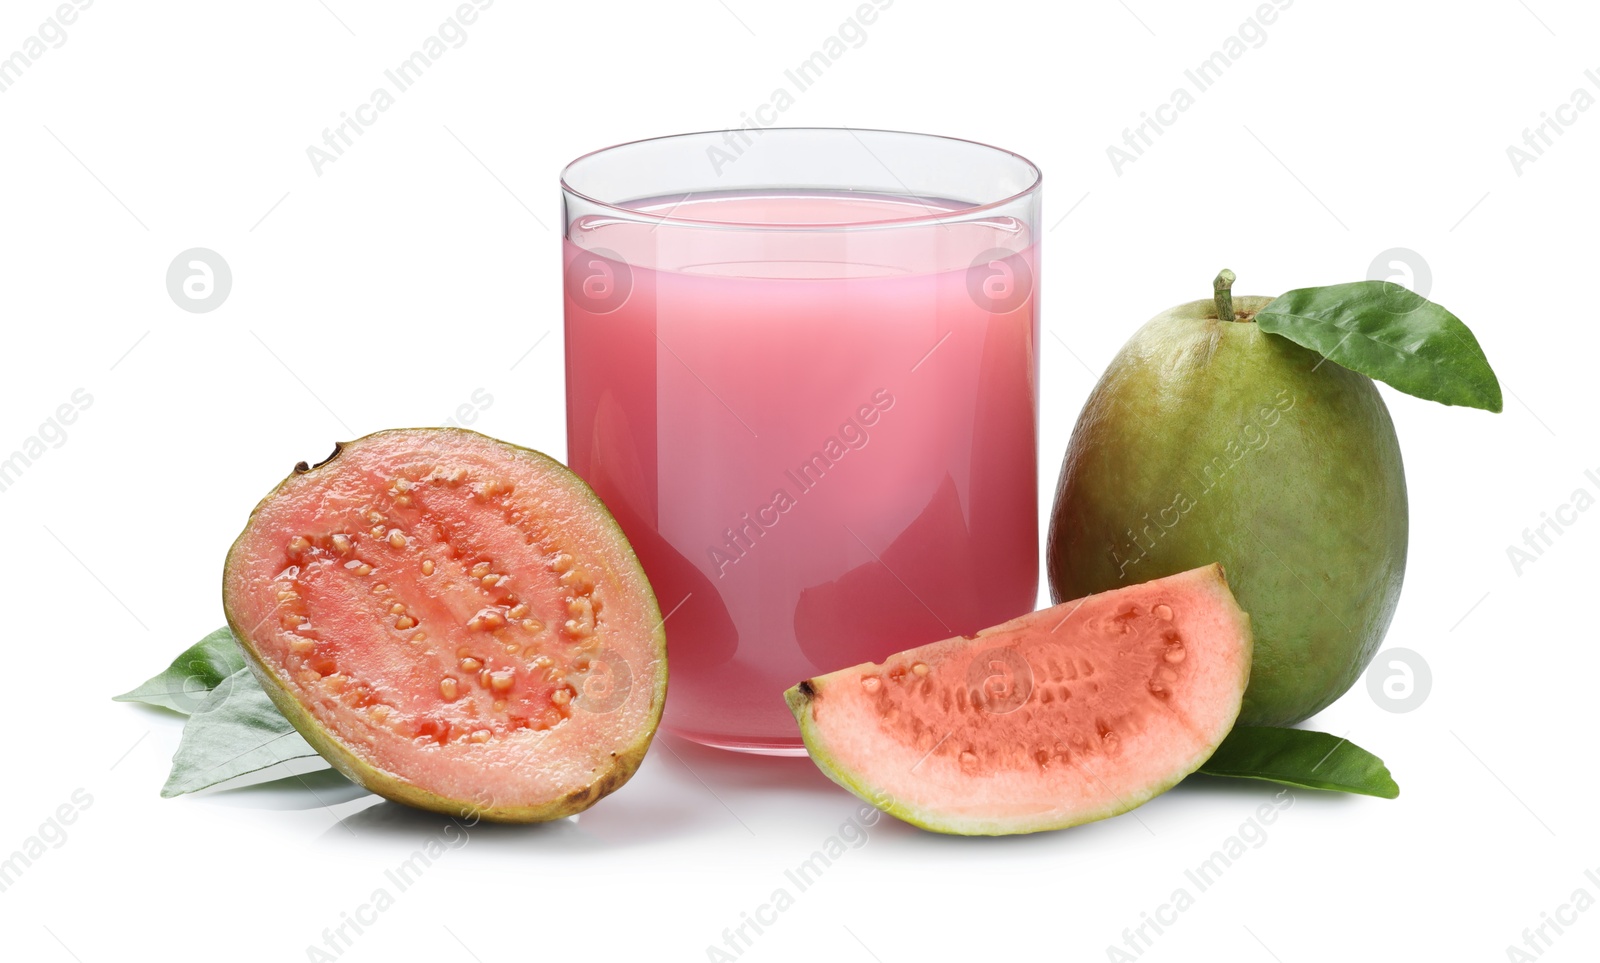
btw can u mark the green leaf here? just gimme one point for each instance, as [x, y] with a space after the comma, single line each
[1388, 332]
[1303, 758]
[186, 683]
[235, 731]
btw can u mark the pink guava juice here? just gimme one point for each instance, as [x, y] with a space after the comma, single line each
[821, 443]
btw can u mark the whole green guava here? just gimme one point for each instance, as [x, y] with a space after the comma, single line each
[1210, 440]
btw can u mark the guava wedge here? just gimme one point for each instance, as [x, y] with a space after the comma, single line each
[453, 622]
[1063, 716]
[1208, 439]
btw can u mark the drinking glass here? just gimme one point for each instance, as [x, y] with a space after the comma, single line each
[802, 372]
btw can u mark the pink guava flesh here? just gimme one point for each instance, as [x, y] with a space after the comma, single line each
[1059, 717]
[455, 622]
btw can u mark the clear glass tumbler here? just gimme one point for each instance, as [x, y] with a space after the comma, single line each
[802, 371]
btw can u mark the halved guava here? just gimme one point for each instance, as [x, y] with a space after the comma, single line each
[1063, 716]
[454, 622]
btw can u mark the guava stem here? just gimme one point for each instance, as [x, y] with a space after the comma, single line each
[1223, 288]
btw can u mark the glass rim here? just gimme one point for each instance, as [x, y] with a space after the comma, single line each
[1035, 181]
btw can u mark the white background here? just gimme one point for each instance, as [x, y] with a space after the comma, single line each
[424, 263]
